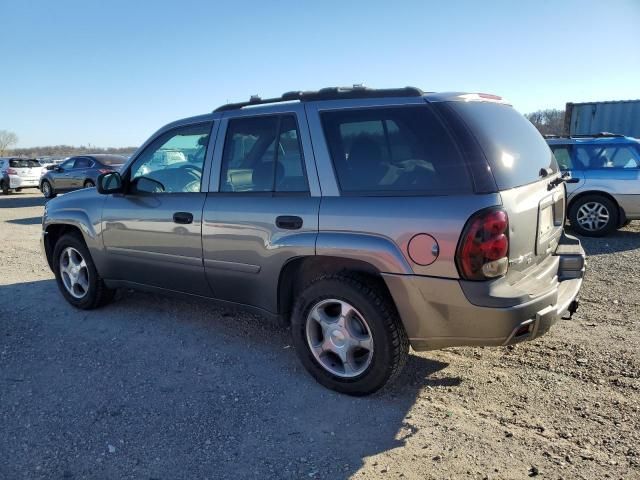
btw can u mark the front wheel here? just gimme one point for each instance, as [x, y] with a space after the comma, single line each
[348, 335]
[593, 215]
[89, 184]
[76, 274]
[47, 190]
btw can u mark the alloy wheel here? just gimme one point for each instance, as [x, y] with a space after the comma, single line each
[593, 216]
[74, 272]
[339, 338]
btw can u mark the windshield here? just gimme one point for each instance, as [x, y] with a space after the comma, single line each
[515, 150]
[24, 163]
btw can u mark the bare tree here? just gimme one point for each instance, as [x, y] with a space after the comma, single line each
[7, 139]
[547, 122]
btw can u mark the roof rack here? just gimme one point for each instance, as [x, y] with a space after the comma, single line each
[585, 135]
[330, 93]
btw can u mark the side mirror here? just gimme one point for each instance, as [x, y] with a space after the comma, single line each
[110, 182]
[51, 167]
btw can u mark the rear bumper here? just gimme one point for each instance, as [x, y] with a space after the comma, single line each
[19, 182]
[439, 313]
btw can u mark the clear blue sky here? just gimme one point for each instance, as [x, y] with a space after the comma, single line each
[110, 73]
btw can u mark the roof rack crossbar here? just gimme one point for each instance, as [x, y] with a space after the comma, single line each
[585, 135]
[330, 93]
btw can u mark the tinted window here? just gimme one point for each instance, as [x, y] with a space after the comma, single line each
[619, 156]
[563, 157]
[393, 150]
[514, 148]
[263, 154]
[173, 162]
[114, 160]
[83, 163]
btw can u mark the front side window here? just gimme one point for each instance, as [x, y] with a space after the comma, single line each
[620, 156]
[68, 164]
[563, 157]
[263, 154]
[173, 162]
[393, 150]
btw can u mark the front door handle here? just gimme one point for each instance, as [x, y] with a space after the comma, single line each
[183, 218]
[289, 222]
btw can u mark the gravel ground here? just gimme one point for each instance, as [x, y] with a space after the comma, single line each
[158, 388]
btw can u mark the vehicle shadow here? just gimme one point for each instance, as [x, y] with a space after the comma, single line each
[189, 389]
[618, 241]
[26, 221]
[16, 201]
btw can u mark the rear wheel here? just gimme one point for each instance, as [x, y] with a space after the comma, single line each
[76, 274]
[47, 189]
[348, 335]
[593, 215]
[4, 186]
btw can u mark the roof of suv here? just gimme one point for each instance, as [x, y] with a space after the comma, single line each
[359, 92]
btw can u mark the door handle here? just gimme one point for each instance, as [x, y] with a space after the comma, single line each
[183, 218]
[289, 222]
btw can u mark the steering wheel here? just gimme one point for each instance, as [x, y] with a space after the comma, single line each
[193, 168]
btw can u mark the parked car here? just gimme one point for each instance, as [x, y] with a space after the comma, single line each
[78, 172]
[18, 173]
[604, 192]
[370, 220]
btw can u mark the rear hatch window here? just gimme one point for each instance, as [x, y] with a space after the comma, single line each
[23, 163]
[516, 152]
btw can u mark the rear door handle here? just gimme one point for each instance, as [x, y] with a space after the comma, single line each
[183, 218]
[289, 222]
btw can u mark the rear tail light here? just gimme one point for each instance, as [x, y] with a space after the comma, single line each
[105, 170]
[484, 246]
[12, 171]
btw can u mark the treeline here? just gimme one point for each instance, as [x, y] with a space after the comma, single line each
[66, 151]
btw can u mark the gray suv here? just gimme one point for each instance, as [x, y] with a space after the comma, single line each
[370, 220]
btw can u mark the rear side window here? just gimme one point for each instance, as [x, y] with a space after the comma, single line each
[83, 162]
[263, 154]
[515, 150]
[394, 151]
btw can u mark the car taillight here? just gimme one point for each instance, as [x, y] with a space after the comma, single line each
[12, 171]
[105, 170]
[484, 246]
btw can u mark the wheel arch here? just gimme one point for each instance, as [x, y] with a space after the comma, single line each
[300, 271]
[53, 232]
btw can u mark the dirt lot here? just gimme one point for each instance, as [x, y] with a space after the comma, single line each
[151, 387]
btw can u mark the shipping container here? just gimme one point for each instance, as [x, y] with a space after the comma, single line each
[621, 117]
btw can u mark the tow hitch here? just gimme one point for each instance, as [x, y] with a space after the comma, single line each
[573, 307]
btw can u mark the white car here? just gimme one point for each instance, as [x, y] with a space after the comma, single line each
[19, 173]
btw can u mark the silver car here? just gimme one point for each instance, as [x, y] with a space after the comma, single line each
[604, 190]
[370, 220]
[18, 173]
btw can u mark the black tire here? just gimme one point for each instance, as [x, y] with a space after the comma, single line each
[47, 189]
[89, 184]
[601, 201]
[625, 224]
[4, 187]
[97, 294]
[390, 342]
[18, 189]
